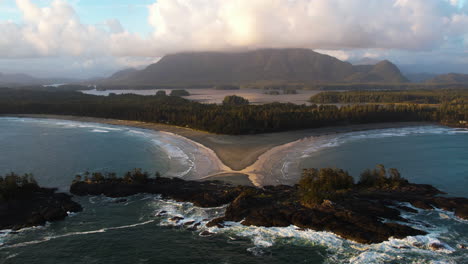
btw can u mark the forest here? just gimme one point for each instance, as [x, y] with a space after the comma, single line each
[404, 96]
[222, 119]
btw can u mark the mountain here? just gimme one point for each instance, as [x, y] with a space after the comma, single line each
[420, 77]
[382, 72]
[270, 65]
[15, 79]
[122, 75]
[365, 61]
[19, 79]
[450, 78]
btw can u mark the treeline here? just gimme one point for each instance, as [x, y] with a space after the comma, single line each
[13, 185]
[317, 185]
[222, 119]
[137, 176]
[414, 96]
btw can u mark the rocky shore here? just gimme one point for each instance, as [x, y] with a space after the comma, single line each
[35, 207]
[363, 215]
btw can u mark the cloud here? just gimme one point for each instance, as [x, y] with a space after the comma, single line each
[181, 25]
[318, 24]
[343, 28]
[56, 30]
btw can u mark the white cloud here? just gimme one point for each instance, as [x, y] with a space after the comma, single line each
[318, 24]
[343, 28]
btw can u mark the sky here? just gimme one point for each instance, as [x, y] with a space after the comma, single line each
[92, 38]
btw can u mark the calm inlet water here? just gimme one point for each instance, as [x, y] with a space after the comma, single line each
[130, 232]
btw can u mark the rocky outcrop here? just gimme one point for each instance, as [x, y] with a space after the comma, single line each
[359, 215]
[27, 209]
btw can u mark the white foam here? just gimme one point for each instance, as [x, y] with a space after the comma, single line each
[99, 131]
[282, 164]
[187, 159]
[102, 230]
[415, 249]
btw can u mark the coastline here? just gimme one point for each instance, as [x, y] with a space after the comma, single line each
[238, 156]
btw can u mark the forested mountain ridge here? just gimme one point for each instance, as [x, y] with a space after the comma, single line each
[264, 65]
[450, 78]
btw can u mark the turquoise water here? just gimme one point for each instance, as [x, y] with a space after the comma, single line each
[131, 232]
[431, 155]
[55, 151]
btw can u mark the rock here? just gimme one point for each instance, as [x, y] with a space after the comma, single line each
[436, 246]
[357, 215]
[407, 209]
[35, 208]
[176, 219]
[462, 211]
[216, 222]
[422, 205]
[206, 233]
[161, 213]
[189, 223]
[194, 227]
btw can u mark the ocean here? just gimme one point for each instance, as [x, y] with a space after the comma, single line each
[131, 232]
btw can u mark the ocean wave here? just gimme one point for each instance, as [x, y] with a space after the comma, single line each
[78, 233]
[282, 164]
[99, 131]
[417, 249]
[187, 159]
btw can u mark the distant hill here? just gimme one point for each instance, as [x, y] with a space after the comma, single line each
[122, 75]
[19, 79]
[265, 65]
[14, 79]
[420, 77]
[450, 78]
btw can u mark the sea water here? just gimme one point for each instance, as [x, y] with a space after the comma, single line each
[133, 231]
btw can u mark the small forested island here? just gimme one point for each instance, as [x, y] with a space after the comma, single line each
[24, 204]
[324, 200]
[226, 87]
[180, 93]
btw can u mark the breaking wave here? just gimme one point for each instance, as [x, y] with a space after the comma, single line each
[444, 244]
[187, 159]
[281, 165]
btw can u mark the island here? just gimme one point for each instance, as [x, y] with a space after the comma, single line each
[23, 203]
[327, 199]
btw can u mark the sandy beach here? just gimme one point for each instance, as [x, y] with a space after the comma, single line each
[238, 153]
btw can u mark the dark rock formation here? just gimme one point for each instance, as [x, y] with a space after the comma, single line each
[358, 215]
[35, 208]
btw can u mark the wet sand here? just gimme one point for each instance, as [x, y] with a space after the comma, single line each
[239, 153]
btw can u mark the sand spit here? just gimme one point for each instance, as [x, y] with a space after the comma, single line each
[238, 156]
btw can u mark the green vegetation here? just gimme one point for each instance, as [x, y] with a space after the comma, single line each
[451, 108]
[414, 96]
[180, 93]
[161, 93]
[290, 91]
[381, 178]
[317, 185]
[283, 91]
[234, 100]
[229, 118]
[13, 185]
[226, 87]
[136, 176]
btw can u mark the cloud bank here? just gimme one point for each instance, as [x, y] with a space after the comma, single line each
[343, 27]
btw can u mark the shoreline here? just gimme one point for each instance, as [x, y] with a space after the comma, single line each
[239, 155]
